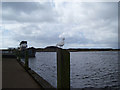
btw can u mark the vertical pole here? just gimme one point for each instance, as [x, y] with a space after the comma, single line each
[18, 55]
[26, 59]
[63, 69]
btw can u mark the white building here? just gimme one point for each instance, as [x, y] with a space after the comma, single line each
[23, 45]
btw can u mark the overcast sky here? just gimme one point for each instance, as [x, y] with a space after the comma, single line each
[83, 24]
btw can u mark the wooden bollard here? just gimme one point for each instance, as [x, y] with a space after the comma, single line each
[18, 55]
[26, 60]
[63, 69]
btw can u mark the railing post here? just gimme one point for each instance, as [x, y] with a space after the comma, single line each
[63, 69]
[18, 55]
[26, 60]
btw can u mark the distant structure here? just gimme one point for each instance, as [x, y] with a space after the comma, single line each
[23, 45]
[23, 48]
[61, 44]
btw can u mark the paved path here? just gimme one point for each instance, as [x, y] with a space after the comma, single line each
[14, 75]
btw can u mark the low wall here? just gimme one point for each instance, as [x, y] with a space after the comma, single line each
[43, 83]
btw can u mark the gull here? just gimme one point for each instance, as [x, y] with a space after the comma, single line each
[61, 44]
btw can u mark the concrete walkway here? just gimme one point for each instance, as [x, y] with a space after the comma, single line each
[14, 75]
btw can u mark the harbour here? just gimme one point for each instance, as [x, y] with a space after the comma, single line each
[59, 45]
[83, 70]
[87, 69]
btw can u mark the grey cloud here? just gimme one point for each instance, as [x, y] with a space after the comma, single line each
[26, 7]
[21, 6]
[42, 39]
[107, 11]
[28, 12]
[96, 25]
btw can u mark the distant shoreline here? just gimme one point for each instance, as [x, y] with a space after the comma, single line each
[70, 49]
[73, 50]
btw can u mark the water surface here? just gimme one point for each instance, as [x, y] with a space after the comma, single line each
[88, 69]
[94, 69]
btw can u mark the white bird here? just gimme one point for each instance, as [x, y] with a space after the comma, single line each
[61, 43]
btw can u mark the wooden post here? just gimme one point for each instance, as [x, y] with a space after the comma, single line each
[26, 60]
[18, 55]
[63, 69]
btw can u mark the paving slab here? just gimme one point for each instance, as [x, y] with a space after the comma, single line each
[15, 76]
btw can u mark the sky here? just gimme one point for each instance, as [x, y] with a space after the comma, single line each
[83, 24]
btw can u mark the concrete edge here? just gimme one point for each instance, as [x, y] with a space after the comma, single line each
[42, 82]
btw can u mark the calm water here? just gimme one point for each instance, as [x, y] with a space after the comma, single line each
[94, 69]
[88, 69]
[46, 66]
